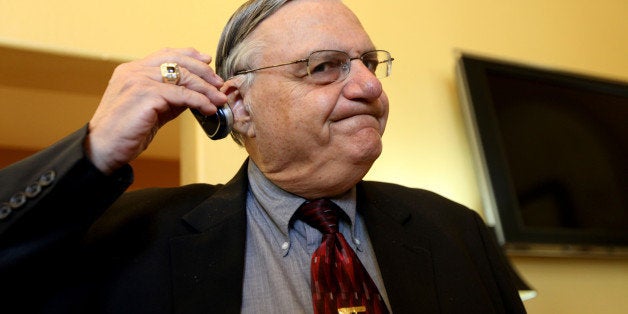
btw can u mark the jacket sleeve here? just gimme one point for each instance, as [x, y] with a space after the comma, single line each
[48, 201]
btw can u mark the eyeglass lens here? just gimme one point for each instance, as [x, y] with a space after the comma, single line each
[328, 66]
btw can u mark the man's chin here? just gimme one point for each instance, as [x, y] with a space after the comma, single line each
[366, 151]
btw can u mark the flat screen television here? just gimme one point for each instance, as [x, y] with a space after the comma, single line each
[551, 152]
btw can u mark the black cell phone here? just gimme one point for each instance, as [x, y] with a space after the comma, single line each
[216, 126]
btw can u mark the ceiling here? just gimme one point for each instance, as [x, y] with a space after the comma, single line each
[45, 96]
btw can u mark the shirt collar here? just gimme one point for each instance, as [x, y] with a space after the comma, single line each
[280, 205]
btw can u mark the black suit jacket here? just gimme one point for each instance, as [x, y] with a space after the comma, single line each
[181, 250]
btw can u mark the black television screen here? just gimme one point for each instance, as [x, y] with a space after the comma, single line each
[551, 150]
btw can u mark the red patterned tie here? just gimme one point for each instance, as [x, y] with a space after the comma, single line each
[340, 284]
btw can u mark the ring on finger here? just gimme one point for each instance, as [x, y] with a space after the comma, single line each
[170, 73]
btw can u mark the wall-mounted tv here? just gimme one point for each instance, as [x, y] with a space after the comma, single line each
[551, 151]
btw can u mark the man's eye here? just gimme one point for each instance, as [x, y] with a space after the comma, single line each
[325, 66]
[371, 64]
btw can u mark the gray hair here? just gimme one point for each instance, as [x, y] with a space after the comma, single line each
[234, 49]
[233, 46]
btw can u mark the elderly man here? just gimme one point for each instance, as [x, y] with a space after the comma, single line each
[302, 79]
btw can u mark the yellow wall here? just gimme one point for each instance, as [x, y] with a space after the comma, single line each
[425, 143]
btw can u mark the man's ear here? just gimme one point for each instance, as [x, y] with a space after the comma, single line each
[242, 122]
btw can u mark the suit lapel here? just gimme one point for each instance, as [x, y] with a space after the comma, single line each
[403, 255]
[208, 264]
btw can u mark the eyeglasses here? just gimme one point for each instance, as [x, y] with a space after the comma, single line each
[328, 66]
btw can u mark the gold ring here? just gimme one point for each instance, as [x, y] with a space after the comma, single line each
[170, 73]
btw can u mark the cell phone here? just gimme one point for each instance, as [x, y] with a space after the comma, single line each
[216, 126]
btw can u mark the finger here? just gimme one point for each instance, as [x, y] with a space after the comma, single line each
[149, 82]
[202, 70]
[193, 53]
[190, 59]
[183, 97]
[198, 84]
[193, 82]
[199, 69]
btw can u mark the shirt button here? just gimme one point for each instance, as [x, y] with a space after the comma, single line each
[356, 241]
[285, 245]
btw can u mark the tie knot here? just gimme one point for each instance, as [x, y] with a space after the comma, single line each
[321, 214]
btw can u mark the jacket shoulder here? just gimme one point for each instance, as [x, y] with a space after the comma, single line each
[414, 205]
[148, 209]
[191, 193]
[408, 197]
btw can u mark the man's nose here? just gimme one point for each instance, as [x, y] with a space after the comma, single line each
[362, 83]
